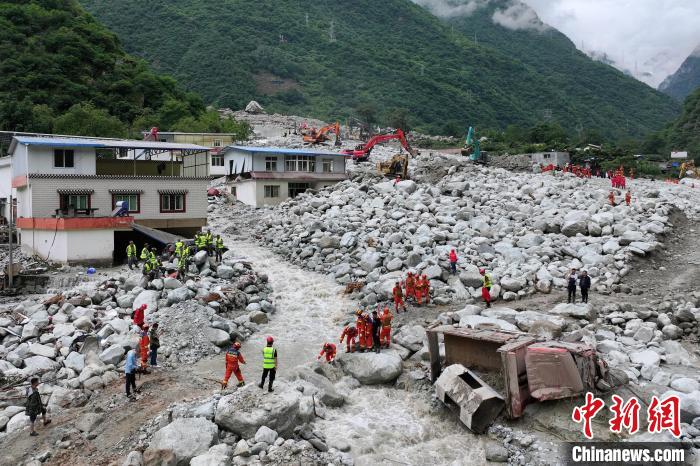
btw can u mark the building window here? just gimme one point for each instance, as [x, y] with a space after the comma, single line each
[63, 158]
[547, 156]
[271, 164]
[327, 166]
[75, 201]
[295, 189]
[272, 191]
[217, 142]
[217, 160]
[133, 200]
[172, 203]
[299, 163]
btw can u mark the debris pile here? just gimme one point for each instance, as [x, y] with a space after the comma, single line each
[247, 425]
[527, 231]
[76, 341]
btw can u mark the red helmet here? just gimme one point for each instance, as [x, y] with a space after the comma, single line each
[270, 340]
[327, 345]
[482, 271]
[237, 345]
[143, 307]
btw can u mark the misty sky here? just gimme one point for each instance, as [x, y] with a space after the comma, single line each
[656, 34]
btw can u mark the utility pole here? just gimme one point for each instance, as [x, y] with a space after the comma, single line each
[10, 264]
[331, 33]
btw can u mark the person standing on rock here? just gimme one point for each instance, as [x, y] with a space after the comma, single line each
[410, 287]
[486, 287]
[145, 253]
[233, 358]
[130, 367]
[360, 325]
[131, 255]
[349, 334]
[368, 332]
[154, 338]
[571, 278]
[585, 283]
[385, 337]
[144, 343]
[219, 247]
[329, 351]
[425, 288]
[453, 262]
[397, 293]
[376, 331]
[138, 316]
[628, 198]
[611, 198]
[269, 364]
[34, 406]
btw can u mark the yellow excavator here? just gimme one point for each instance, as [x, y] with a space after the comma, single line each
[688, 170]
[397, 166]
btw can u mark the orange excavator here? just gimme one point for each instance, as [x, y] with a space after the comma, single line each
[321, 136]
[361, 152]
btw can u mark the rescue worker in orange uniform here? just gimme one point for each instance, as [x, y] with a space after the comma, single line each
[329, 351]
[360, 325]
[349, 334]
[385, 336]
[144, 344]
[410, 286]
[369, 344]
[611, 198]
[233, 359]
[628, 197]
[425, 287]
[398, 297]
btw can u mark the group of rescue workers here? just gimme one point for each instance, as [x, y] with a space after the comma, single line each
[181, 250]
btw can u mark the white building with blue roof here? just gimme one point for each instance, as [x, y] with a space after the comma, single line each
[267, 176]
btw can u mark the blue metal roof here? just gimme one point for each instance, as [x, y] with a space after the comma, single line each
[284, 151]
[103, 143]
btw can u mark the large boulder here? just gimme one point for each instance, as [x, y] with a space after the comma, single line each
[75, 361]
[577, 311]
[112, 355]
[372, 368]
[218, 337]
[410, 336]
[179, 295]
[575, 222]
[370, 260]
[325, 390]
[147, 297]
[246, 410]
[225, 272]
[36, 365]
[42, 350]
[513, 283]
[186, 438]
[200, 258]
[470, 276]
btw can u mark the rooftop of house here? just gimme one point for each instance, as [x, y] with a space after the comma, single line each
[285, 151]
[77, 141]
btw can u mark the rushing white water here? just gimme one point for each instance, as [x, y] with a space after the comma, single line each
[383, 425]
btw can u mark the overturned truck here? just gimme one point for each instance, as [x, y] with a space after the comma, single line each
[522, 369]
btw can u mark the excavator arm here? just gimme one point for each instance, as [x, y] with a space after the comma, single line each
[361, 153]
[321, 136]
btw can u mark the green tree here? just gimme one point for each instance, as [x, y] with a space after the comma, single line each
[400, 118]
[86, 120]
[368, 115]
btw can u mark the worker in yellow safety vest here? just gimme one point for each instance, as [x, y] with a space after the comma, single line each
[269, 364]
[145, 253]
[209, 242]
[155, 262]
[219, 247]
[131, 254]
[178, 247]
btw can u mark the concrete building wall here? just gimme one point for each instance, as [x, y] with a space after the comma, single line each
[258, 162]
[41, 160]
[45, 199]
[24, 202]
[555, 158]
[72, 246]
[252, 192]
